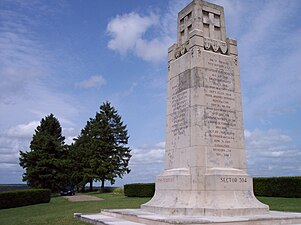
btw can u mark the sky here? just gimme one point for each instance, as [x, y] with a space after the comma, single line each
[68, 57]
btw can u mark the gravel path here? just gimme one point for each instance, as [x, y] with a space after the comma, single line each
[82, 198]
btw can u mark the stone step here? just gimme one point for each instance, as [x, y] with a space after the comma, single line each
[101, 219]
[122, 217]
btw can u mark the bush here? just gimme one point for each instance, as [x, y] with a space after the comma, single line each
[118, 191]
[11, 199]
[139, 190]
[109, 189]
[97, 188]
[289, 187]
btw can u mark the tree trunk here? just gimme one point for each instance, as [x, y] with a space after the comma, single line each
[103, 185]
[91, 185]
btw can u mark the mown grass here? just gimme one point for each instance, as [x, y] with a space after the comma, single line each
[60, 210]
[282, 204]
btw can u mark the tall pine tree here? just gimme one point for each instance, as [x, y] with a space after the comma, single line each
[80, 155]
[46, 164]
[104, 140]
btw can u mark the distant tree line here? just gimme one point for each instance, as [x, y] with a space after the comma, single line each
[99, 153]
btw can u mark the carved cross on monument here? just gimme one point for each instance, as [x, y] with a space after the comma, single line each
[212, 21]
[185, 27]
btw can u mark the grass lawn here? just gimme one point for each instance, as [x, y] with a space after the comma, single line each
[60, 211]
[282, 204]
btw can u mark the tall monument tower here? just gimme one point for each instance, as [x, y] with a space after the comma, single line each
[205, 162]
[205, 179]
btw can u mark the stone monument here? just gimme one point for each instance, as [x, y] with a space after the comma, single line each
[205, 178]
[205, 162]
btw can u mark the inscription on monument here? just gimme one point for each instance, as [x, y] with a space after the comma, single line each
[220, 116]
[179, 116]
[165, 179]
[220, 99]
[220, 74]
[233, 179]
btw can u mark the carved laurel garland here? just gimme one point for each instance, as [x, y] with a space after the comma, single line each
[209, 44]
[181, 50]
[215, 45]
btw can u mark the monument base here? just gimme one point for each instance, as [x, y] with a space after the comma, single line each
[140, 217]
[226, 192]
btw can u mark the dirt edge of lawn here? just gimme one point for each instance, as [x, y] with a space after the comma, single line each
[82, 198]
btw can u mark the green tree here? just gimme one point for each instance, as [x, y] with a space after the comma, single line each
[47, 163]
[104, 141]
[80, 156]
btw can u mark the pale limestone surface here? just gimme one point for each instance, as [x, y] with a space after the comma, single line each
[140, 217]
[205, 163]
[100, 218]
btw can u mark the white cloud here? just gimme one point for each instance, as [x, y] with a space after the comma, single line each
[96, 81]
[154, 50]
[146, 163]
[127, 29]
[22, 57]
[147, 37]
[26, 69]
[10, 171]
[70, 133]
[269, 50]
[161, 145]
[247, 133]
[37, 102]
[69, 140]
[8, 145]
[23, 130]
[9, 158]
[148, 155]
[266, 139]
[271, 153]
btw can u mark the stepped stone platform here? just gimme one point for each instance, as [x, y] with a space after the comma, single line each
[140, 217]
